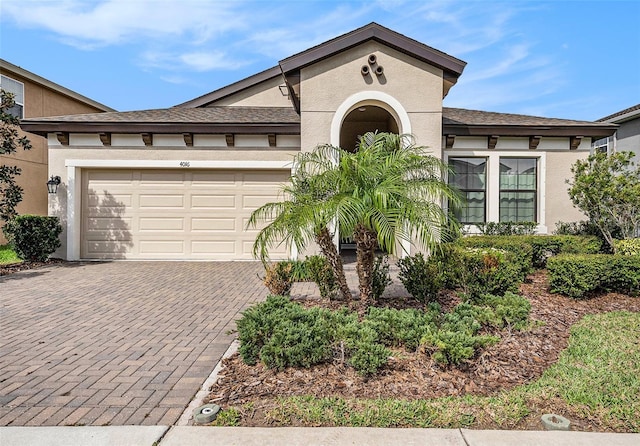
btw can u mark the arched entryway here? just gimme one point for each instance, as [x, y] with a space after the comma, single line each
[363, 119]
[363, 112]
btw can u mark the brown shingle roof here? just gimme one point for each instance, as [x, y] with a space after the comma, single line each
[174, 120]
[478, 117]
[626, 111]
[463, 122]
[455, 121]
[222, 115]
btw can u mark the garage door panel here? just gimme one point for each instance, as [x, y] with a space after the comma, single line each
[156, 246]
[179, 214]
[251, 202]
[213, 201]
[109, 200]
[275, 252]
[162, 201]
[208, 179]
[96, 223]
[214, 247]
[111, 178]
[165, 178]
[161, 224]
[213, 224]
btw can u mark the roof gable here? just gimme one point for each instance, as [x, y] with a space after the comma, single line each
[452, 66]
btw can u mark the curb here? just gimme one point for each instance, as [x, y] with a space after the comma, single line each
[187, 416]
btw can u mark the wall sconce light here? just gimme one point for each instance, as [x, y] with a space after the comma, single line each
[52, 184]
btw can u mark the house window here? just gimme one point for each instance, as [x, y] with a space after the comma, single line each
[17, 88]
[602, 145]
[469, 175]
[518, 189]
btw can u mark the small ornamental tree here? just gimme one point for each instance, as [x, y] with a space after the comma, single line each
[10, 142]
[607, 189]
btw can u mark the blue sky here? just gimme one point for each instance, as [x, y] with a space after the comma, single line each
[568, 59]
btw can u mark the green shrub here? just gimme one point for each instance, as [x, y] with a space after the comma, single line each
[282, 334]
[33, 237]
[280, 276]
[258, 324]
[628, 247]
[320, 272]
[578, 275]
[369, 357]
[380, 276]
[508, 228]
[453, 347]
[481, 271]
[623, 275]
[299, 341]
[517, 245]
[402, 327]
[540, 247]
[587, 228]
[510, 310]
[422, 277]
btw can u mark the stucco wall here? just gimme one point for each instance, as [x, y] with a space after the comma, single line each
[628, 138]
[328, 84]
[265, 94]
[559, 205]
[39, 101]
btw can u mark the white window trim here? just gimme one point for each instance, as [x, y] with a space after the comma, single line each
[18, 82]
[74, 185]
[492, 193]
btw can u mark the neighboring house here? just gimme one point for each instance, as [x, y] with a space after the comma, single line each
[34, 97]
[180, 183]
[627, 137]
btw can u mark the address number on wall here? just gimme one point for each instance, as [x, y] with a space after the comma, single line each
[185, 163]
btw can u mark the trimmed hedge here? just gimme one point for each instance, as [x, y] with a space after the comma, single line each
[33, 237]
[541, 247]
[628, 247]
[515, 244]
[579, 275]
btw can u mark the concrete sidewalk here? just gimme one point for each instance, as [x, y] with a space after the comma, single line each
[341, 436]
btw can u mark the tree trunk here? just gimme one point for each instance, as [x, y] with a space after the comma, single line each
[366, 243]
[328, 248]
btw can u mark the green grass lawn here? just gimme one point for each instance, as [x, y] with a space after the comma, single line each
[596, 380]
[7, 255]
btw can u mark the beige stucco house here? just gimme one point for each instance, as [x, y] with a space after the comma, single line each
[37, 96]
[180, 183]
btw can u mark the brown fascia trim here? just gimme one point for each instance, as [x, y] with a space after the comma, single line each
[44, 128]
[599, 131]
[380, 34]
[233, 88]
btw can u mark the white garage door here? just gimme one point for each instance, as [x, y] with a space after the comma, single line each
[174, 214]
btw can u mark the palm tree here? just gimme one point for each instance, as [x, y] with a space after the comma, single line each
[304, 215]
[386, 192]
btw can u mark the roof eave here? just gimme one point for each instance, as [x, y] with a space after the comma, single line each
[598, 131]
[44, 128]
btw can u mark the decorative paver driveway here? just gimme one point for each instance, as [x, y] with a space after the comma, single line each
[116, 342]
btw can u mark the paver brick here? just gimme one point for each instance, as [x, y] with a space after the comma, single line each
[116, 342]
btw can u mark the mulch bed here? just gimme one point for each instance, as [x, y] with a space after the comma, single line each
[518, 358]
[5, 270]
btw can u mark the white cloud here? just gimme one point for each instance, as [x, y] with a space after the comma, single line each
[94, 24]
[198, 61]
